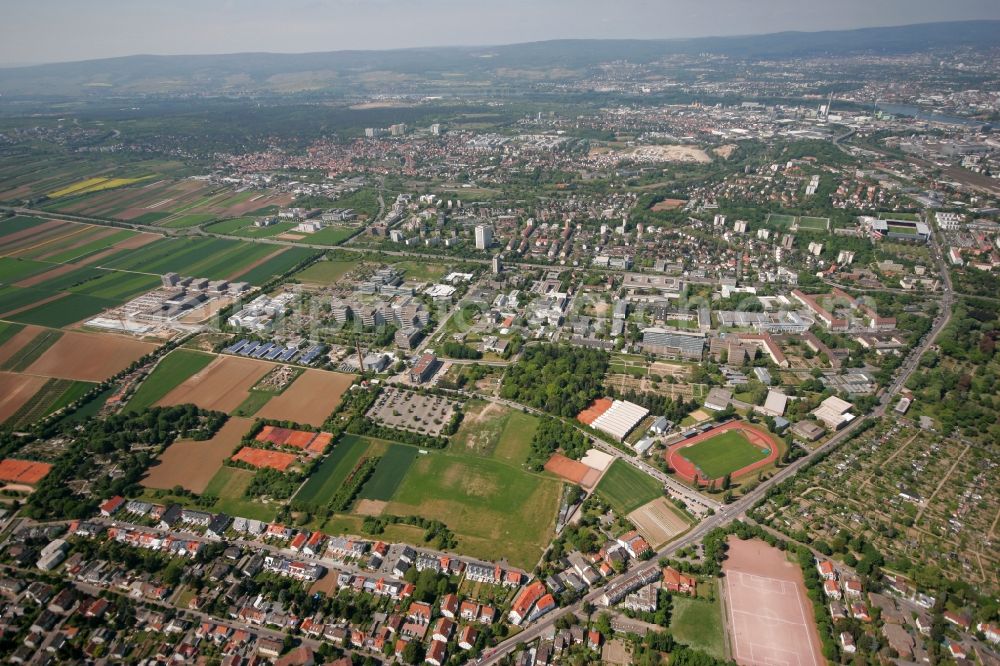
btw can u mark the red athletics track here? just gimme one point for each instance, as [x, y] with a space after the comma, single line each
[685, 469]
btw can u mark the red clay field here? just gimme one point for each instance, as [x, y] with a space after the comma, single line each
[572, 470]
[192, 464]
[89, 357]
[755, 437]
[590, 414]
[770, 618]
[310, 399]
[222, 385]
[297, 439]
[265, 458]
[27, 472]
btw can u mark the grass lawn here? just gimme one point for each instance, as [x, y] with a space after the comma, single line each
[421, 270]
[168, 374]
[496, 510]
[389, 472]
[326, 272]
[229, 484]
[723, 454]
[500, 433]
[698, 622]
[330, 235]
[253, 403]
[626, 488]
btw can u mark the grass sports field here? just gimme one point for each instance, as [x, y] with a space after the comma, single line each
[814, 223]
[723, 454]
[626, 488]
[168, 374]
[698, 622]
[781, 220]
[496, 509]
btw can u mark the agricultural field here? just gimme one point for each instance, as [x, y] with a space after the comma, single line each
[53, 396]
[171, 370]
[332, 235]
[244, 228]
[329, 476]
[625, 488]
[25, 346]
[723, 454]
[15, 392]
[389, 473]
[222, 385]
[192, 464]
[310, 399]
[496, 510]
[89, 357]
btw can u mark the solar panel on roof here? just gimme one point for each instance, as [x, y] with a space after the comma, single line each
[249, 349]
[288, 354]
[273, 354]
[236, 347]
[263, 349]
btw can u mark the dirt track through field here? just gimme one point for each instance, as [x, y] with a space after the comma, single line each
[310, 399]
[246, 269]
[222, 385]
[91, 357]
[192, 464]
[769, 615]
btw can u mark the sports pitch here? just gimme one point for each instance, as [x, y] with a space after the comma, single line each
[723, 454]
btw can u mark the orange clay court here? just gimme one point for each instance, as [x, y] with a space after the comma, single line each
[298, 439]
[28, 472]
[264, 458]
[590, 414]
[572, 470]
[770, 618]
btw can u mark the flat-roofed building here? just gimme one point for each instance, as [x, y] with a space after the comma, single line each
[673, 343]
[620, 419]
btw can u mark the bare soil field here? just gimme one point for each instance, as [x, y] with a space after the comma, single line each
[90, 357]
[192, 464]
[223, 385]
[658, 521]
[369, 507]
[15, 390]
[18, 341]
[726, 151]
[671, 154]
[310, 399]
[770, 618]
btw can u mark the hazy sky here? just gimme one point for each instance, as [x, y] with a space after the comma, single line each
[34, 31]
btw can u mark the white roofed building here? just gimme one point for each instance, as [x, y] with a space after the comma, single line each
[620, 419]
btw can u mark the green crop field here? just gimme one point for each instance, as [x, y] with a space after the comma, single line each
[29, 353]
[723, 454]
[328, 477]
[496, 510]
[118, 285]
[698, 622]
[192, 220]
[389, 472]
[278, 265]
[169, 373]
[626, 488]
[98, 245]
[229, 485]
[12, 225]
[326, 272]
[14, 269]
[8, 330]
[65, 311]
[13, 298]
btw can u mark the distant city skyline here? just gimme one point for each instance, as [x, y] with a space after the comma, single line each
[42, 31]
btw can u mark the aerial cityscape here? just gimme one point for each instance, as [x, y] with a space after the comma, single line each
[592, 344]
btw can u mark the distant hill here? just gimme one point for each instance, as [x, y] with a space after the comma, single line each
[343, 70]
